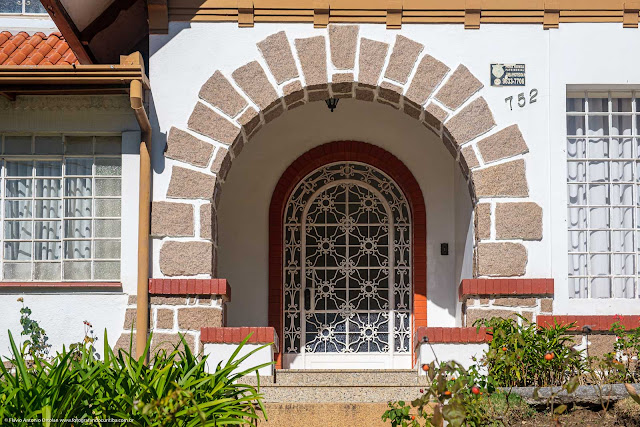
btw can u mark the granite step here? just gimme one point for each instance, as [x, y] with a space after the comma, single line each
[324, 415]
[344, 386]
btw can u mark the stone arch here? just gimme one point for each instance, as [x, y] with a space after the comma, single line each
[231, 110]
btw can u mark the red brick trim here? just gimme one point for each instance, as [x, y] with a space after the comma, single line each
[452, 335]
[225, 335]
[190, 287]
[101, 285]
[470, 287]
[597, 323]
[335, 152]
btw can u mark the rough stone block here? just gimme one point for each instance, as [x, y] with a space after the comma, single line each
[127, 343]
[318, 95]
[164, 318]
[601, 344]
[546, 305]
[515, 302]
[254, 82]
[190, 184]
[129, 318]
[477, 314]
[274, 112]
[371, 60]
[132, 300]
[293, 92]
[483, 221]
[365, 95]
[171, 219]
[185, 258]
[390, 92]
[313, 59]
[503, 144]
[460, 87]
[250, 121]
[470, 157]
[502, 259]
[167, 300]
[276, 51]
[518, 221]
[342, 83]
[187, 148]
[412, 111]
[221, 163]
[205, 221]
[429, 75]
[218, 92]
[194, 318]
[471, 122]
[503, 180]
[167, 342]
[403, 58]
[209, 123]
[342, 41]
[434, 115]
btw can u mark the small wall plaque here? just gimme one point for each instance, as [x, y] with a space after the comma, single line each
[507, 75]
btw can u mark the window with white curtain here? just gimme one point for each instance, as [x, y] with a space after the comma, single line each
[61, 207]
[603, 194]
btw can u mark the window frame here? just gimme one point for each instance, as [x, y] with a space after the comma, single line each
[611, 183]
[62, 157]
[24, 12]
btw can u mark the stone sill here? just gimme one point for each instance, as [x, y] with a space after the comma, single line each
[520, 287]
[218, 287]
[235, 335]
[597, 323]
[116, 286]
[451, 335]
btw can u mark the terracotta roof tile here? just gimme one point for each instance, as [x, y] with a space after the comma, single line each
[38, 49]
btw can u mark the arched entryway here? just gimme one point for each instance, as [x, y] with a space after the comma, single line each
[347, 279]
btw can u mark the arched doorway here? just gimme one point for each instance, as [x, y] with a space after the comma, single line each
[349, 273]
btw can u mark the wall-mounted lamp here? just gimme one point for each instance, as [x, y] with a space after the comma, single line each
[332, 103]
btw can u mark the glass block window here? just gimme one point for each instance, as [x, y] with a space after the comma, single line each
[22, 7]
[603, 179]
[61, 207]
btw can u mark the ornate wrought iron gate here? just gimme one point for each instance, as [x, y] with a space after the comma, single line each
[347, 240]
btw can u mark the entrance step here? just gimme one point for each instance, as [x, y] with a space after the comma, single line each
[341, 386]
[324, 415]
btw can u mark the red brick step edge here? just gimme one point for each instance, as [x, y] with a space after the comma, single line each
[190, 287]
[235, 335]
[470, 287]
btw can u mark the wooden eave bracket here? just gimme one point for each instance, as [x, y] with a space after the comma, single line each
[245, 13]
[472, 12]
[158, 16]
[394, 14]
[61, 18]
[630, 14]
[551, 18]
[321, 11]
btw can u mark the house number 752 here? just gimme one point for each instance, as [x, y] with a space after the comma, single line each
[522, 101]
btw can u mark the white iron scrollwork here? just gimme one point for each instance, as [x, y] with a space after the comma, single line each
[347, 263]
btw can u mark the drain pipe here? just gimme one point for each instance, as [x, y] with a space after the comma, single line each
[136, 96]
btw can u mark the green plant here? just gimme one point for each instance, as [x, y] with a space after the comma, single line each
[627, 349]
[453, 394]
[174, 389]
[527, 355]
[36, 346]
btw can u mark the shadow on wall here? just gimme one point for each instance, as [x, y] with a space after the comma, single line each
[244, 204]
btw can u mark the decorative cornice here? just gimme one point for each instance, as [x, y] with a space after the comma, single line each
[393, 13]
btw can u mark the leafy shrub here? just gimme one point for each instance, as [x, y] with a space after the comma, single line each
[37, 343]
[627, 349]
[527, 355]
[174, 389]
[458, 396]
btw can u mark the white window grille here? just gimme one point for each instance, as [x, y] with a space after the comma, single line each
[61, 207]
[22, 7]
[603, 194]
[347, 263]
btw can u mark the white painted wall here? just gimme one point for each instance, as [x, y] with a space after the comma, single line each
[30, 24]
[221, 353]
[61, 312]
[184, 59]
[464, 354]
